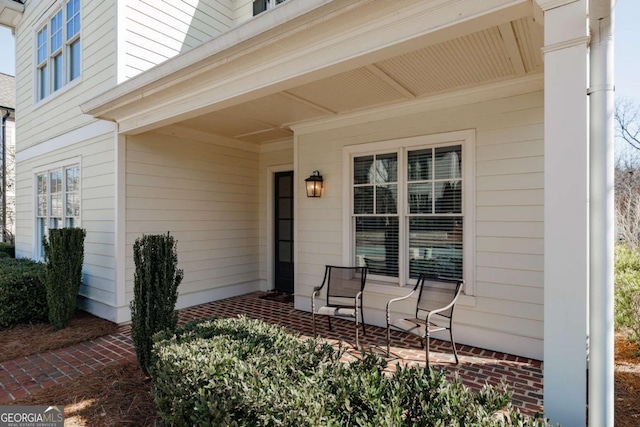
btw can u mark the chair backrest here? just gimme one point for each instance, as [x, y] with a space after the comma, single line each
[344, 282]
[436, 293]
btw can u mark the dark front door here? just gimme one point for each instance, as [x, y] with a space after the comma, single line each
[284, 231]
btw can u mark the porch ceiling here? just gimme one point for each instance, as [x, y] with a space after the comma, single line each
[499, 53]
[312, 59]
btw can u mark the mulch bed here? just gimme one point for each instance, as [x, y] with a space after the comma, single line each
[114, 396]
[627, 382]
[25, 340]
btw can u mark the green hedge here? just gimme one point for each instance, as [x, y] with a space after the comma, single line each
[22, 294]
[7, 250]
[627, 290]
[240, 372]
[64, 256]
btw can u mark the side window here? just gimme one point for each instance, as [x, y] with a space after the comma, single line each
[57, 201]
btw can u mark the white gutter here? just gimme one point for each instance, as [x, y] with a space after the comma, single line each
[601, 212]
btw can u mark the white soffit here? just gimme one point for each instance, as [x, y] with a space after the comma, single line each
[10, 13]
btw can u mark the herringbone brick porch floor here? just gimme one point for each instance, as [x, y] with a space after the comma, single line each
[477, 366]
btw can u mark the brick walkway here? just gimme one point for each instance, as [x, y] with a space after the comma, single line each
[477, 366]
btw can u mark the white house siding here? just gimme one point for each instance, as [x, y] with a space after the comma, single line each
[10, 135]
[507, 312]
[59, 112]
[156, 30]
[96, 157]
[274, 157]
[206, 195]
[243, 10]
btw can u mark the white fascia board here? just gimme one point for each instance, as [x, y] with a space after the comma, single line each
[360, 43]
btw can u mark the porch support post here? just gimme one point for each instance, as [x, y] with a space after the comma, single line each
[566, 207]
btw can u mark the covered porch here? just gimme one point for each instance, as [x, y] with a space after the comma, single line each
[315, 85]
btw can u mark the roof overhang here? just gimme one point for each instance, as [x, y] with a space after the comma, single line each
[296, 44]
[10, 13]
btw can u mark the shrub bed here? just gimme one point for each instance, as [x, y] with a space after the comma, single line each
[23, 297]
[241, 372]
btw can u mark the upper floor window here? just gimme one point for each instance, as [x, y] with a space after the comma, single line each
[58, 49]
[260, 6]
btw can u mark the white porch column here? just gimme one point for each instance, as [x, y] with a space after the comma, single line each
[566, 185]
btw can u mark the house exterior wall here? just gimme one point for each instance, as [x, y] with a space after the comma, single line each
[205, 192]
[506, 312]
[59, 112]
[10, 135]
[243, 10]
[95, 155]
[153, 32]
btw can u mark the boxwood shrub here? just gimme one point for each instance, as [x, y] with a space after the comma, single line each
[23, 297]
[241, 372]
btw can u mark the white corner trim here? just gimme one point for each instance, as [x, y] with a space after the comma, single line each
[474, 95]
[92, 130]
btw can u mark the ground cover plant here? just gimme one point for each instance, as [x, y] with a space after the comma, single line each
[248, 373]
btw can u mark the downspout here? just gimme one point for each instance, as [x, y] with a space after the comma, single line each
[601, 213]
[3, 139]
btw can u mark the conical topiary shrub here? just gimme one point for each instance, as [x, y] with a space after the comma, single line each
[155, 290]
[63, 255]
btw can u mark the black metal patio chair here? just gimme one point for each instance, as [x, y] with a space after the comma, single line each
[343, 295]
[433, 310]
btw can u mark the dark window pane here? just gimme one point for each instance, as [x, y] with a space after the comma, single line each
[284, 186]
[361, 168]
[285, 208]
[284, 230]
[420, 198]
[377, 244]
[386, 199]
[419, 167]
[435, 247]
[386, 168]
[363, 200]
[449, 197]
[448, 162]
[285, 252]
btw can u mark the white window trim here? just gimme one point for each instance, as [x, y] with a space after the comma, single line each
[466, 138]
[45, 20]
[64, 164]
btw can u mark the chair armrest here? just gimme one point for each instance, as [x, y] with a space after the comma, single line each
[399, 299]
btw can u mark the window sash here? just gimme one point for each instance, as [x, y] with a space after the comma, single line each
[429, 239]
[58, 49]
[57, 201]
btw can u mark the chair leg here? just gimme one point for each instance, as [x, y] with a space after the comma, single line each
[453, 344]
[388, 341]
[426, 346]
[329, 320]
[362, 317]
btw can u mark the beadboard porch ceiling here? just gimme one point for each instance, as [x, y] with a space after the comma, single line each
[499, 53]
[294, 66]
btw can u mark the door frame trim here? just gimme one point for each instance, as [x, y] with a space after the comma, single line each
[271, 194]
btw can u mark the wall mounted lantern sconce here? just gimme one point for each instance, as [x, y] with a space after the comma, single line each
[314, 184]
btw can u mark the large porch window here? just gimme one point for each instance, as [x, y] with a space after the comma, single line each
[407, 209]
